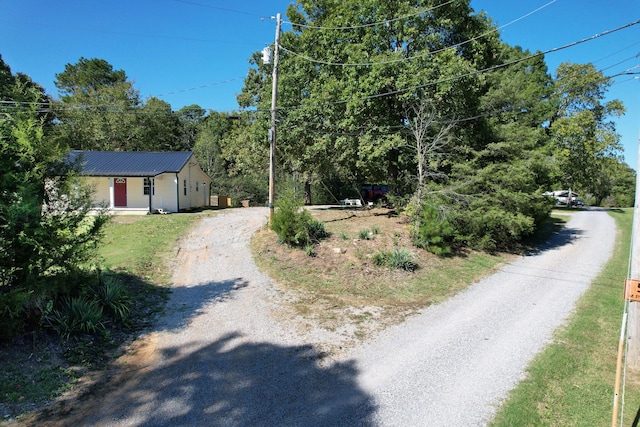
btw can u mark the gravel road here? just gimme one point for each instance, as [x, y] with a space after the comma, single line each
[222, 356]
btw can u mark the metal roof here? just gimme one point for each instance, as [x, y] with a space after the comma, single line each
[130, 163]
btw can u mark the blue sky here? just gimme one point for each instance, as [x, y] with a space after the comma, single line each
[196, 51]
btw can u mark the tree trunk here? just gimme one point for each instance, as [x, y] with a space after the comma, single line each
[307, 193]
[392, 169]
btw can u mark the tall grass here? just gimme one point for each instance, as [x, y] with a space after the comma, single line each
[571, 383]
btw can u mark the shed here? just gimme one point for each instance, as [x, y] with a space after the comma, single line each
[144, 182]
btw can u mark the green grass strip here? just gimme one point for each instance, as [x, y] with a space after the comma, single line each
[571, 383]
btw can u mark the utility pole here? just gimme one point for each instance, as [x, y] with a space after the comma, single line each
[272, 131]
[633, 343]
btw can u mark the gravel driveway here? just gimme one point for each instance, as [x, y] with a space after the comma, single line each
[220, 357]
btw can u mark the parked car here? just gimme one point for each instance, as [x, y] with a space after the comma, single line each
[373, 192]
[561, 198]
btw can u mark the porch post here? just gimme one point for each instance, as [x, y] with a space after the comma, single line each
[111, 194]
[150, 192]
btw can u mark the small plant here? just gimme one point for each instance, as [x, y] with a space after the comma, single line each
[380, 258]
[111, 294]
[401, 259]
[344, 235]
[364, 234]
[398, 259]
[78, 314]
[375, 230]
[310, 250]
[316, 231]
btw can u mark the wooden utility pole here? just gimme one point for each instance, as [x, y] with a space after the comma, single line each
[633, 342]
[272, 131]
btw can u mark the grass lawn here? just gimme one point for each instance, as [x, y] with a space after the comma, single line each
[571, 383]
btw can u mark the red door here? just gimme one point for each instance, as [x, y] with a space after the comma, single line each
[120, 192]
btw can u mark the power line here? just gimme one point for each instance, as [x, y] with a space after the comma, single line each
[473, 73]
[373, 24]
[222, 9]
[421, 55]
[431, 83]
[174, 92]
[123, 33]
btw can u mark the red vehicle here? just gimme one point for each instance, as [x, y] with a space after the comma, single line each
[373, 192]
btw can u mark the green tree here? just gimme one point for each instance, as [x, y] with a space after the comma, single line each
[505, 169]
[190, 117]
[97, 107]
[159, 128]
[208, 146]
[583, 131]
[45, 231]
[344, 85]
[87, 77]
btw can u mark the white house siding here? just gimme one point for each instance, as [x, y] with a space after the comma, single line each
[165, 194]
[101, 190]
[194, 198]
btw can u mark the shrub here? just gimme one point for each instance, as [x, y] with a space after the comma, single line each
[316, 231]
[380, 258]
[12, 313]
[112, 295]
[77, 314]
[294, 225]
[398, 259]
[431, 232]
[401, 259]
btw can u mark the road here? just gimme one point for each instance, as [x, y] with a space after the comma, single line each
[220, 358]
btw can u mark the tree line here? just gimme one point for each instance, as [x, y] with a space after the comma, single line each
[466, 131]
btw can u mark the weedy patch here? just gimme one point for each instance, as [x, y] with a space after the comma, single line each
[345, 276]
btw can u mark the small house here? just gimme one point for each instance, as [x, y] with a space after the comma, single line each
[145, 182]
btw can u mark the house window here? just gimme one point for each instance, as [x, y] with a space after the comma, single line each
[149, 186]
[185, 187]
[197, 184]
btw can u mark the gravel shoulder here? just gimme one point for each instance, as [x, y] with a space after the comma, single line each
[223, 355]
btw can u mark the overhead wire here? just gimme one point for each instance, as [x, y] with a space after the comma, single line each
[421, 55]
[372, 24]
[223, 9]
[427, 84]
[481, 71]
[173, 92]
[124, 33]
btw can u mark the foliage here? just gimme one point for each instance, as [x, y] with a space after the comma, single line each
[112, 295]
[12, 312]
[396, 259]
[76, 315]
[46, 233]
[364, 234]
[585, 143]
[293, 225]
[99, 109]
[432, 232]
[95, 110]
